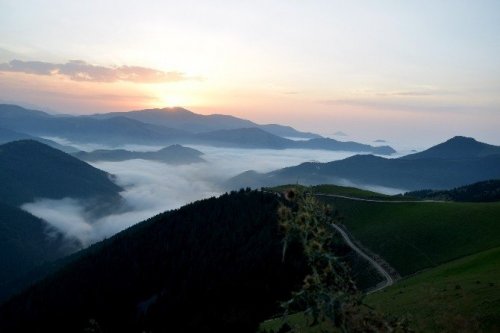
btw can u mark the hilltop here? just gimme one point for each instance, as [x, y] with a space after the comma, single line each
[31, 170]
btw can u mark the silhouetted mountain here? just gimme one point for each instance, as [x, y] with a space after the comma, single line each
[331, 144]
[114, 130]
[186, 120]
[174, 154]
[403, 173]
[212, 266]
[486, 191]
[25, 243]
[458, 147]
[31, 170]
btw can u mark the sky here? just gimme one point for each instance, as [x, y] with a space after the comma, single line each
[414, 71]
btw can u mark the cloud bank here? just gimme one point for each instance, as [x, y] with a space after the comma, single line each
[79, 70]
[154, 187]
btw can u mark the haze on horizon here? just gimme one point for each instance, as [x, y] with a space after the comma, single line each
[418, 71]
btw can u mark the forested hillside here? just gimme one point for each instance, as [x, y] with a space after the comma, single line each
[26, 242]
[211, 266]
[486, 191]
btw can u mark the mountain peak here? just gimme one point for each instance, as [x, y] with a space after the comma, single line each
[177, 109]
[461, 139]
[458, 147]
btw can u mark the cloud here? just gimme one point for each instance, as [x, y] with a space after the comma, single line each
[66, 215]
[79, 70]
[416, 93]
[417, 106]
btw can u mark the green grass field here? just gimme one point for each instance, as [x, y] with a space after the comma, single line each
[415, 236]
[460, 296]
[448, 252]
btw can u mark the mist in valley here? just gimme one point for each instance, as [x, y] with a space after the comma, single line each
[153, 187]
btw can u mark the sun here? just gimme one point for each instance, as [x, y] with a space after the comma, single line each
[173, 101]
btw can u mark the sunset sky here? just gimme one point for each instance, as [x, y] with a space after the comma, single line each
[398, 70]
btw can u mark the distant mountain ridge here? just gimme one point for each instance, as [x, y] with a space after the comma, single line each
[186, 127]
[257, 138]
[186, 120]
[175, 154]
[450, 168]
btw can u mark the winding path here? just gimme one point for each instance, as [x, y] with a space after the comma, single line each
[383, 272]
[388, 278]
[376, 200]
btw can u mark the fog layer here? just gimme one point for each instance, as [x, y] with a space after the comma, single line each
[153, 187]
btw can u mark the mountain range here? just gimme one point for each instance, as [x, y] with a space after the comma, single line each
[456, 162]
[186, 120]
[168, 126]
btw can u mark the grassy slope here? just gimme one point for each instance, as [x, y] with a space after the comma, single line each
[415, 236]
[460, 296]
[339, 190]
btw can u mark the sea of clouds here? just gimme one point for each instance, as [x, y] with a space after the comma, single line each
[152, 187]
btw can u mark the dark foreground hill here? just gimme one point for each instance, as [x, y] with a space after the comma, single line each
[31, 170]
[444, 166]
[174, 154]
[211, 266]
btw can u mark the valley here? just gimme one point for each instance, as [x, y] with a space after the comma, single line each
[87, 223]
